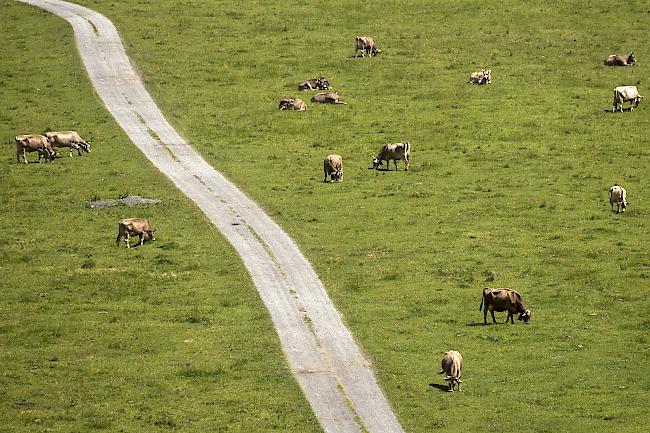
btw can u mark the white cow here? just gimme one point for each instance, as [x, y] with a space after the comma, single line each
[618, 197]
[626, 94]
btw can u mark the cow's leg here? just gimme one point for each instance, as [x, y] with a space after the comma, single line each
[141, 238]
[395, 161]
[407, 162]
[485, 315]
[509, 318]
[119, 237]
[493, 318]
[126, 239]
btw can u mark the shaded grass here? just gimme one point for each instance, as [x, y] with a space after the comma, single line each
[508, 188]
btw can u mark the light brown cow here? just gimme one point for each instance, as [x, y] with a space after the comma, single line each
[320, 83]
[483, 76]
[327, 98]
[289, 103]
[70, 139]
[395, 152]
[366, 45]
[620, 60]
[333, 167]
[134, 227]
[618, 197]
[33, 143]
[503, 300]
[626, 94]
[452, 364]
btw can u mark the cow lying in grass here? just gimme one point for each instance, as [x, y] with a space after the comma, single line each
[320, 83]
[327, 98]
[620, 60]
[289, 103]
[481, 77]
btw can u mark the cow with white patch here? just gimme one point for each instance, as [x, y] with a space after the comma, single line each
[620, 60]
[618, 197]
[483, 76]
[327, 98]
[134, 227]
[320, 83]
[69, 139]
[452, 364]
[366, 45]
[289, 103]
[333, 167]
[395, 152]
[626, 94]
[503, 300]
[33, 143]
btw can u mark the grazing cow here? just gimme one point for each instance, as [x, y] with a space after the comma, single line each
[626, 94]
[320, 83]
[33, 143]
[366, 45]
[618, 196]
[333, 167]
[134, 227]
[395, 152]
[452, 364]
[620, 60]
[327, 98]
[288, 103]
[68, 139]
[503, 300]
[481, 77]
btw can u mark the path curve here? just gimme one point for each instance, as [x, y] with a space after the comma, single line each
[322, 354]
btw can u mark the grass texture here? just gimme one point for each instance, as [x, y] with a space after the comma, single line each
[507, 188]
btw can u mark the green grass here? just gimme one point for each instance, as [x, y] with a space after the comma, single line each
[508, 188]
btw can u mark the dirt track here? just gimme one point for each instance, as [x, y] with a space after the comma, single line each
[332, 372]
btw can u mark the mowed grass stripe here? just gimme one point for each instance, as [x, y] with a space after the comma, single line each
[94, 337]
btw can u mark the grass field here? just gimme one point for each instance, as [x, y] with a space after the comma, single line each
[508, 188]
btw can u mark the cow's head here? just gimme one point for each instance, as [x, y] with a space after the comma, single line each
[486, 76]
[150, 233]
[85, 147]
[323, 83]
[631, 59]
[337, 176]
[452, 382]
[376, 162]
[525, 316]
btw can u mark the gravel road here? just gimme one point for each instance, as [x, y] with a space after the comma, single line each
[334, 375]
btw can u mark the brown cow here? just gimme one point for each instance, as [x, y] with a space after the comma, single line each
[70, 139]
[33, 143]
[452, 364]
[134, 227]
[333, 167]
[620, 60]
[395, 152]
[366, 45]
[503, 300]
[327, 98]
[289, 103]
[320, 83]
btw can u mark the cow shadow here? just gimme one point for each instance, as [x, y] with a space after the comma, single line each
[476, 324]
[439, 386]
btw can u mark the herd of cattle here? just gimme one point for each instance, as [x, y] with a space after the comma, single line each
[493, 299]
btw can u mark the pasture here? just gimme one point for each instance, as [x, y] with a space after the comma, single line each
[507, 188]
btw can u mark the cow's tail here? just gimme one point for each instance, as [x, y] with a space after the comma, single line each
[480, 307]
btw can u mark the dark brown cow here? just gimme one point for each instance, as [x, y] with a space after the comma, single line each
[503, 300]
[620, 60]
[34, 143]
[134, 227]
